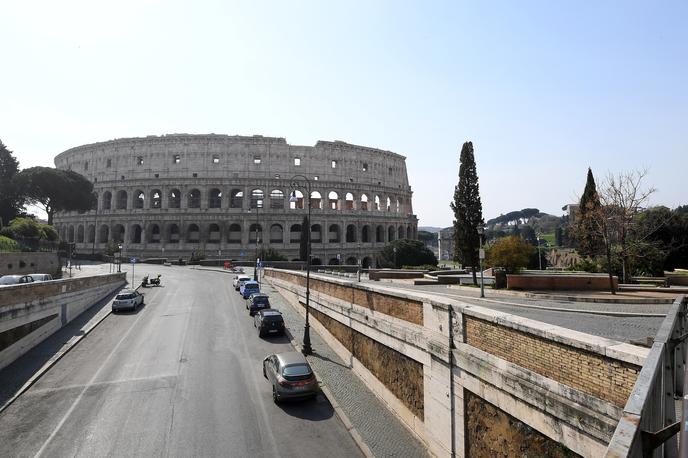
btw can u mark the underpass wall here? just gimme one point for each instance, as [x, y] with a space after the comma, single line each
[537, 386]
[31, 312]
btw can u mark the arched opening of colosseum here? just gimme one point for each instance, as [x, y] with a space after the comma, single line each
[194, 199]
[316, 233]
[276, 199]
[316, 262]
[364, 202]
[401, 234]
[398, 207]
[136, 232]
[234, 234]
[257, 197]
[350, 233]
[236, 198]
[316, 200]
[118, 233]
[255, 233]
[174, 233]
[193, 233]
[377, 203]
[80, 234]
[139, 197]
[154, 233]
[295, 233]
[380, 234]
[91, 233]
[174, 200]
[215, 198]
[333, 199]
[349, 201]
[334, 234]
[156, 198]
[121, 201]
[366, 262]
[70, 234]
[333, 262]
[389, 204]
[297, 201]
[365, 234]
[390, 233]
[104, 235]
[107, 200]
[351, 261]
[214, 233]
[276, 233]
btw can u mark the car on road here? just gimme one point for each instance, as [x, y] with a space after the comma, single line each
[7, 280]
[128, 299]
[256, 302]
[240, 280]
[290, 375]
[41, 277]
[248, 288]
[269, 321]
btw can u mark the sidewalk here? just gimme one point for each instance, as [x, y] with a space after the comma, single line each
[380, 429]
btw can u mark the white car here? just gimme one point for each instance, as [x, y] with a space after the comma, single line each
[239, 280]
[41, 277]
[128, 299]
[8, 280]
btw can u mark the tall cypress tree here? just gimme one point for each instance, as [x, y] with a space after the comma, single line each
[303, 242]
[588, 235]
[11, 201]
[468, 211]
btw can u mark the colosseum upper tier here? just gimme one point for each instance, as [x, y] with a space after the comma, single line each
[227, 196]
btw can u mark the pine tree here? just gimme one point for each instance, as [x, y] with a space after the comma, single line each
[468, 211]
[588, 238]
[303, 247]
[11, 200]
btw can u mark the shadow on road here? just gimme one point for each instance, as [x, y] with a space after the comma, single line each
[317, 409]
[14, 376]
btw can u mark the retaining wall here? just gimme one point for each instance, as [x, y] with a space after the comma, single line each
[561, 282]
[31, 312]
[21, 263]
[532, 381]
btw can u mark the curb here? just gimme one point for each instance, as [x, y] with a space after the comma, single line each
[71, 343]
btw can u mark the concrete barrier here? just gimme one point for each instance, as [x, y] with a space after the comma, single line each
[554, 282]
[31, 312]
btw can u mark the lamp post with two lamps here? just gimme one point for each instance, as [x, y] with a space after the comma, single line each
[307, 349]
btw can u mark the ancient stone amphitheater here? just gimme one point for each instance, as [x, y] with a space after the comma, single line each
[224, 196]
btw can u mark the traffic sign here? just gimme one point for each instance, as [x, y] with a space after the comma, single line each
[133, 260]
[242, 254]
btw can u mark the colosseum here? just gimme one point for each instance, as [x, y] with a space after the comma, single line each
[225, 196]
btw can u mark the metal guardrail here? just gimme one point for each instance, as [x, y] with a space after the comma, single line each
[648, 426]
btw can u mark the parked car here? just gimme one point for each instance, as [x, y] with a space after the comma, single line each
[7, 280]
[290, 375]
[248, 288]
[41, 277]
[239, 280]
[128, 299]
[256, 302]
[269, 321]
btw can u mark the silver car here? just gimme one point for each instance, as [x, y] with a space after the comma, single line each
[290, 375]
[128, 299]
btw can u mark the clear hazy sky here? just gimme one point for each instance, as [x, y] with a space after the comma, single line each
[543, 89]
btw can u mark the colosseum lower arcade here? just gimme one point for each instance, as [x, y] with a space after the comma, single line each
[226, 196]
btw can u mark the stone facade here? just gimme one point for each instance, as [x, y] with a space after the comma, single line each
[175, 194]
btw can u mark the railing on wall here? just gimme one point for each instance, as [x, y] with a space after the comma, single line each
[649, 427]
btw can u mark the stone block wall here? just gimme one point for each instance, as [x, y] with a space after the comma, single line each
[22, 263]
[566, 282]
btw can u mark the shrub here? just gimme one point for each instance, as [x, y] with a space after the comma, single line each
[7, 244]
[409, 253]
[511, 253]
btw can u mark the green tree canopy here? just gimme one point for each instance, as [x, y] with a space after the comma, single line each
[29, 228]
[11, 199]
[511, 253]
[56, 190]
[468, 211]
[409, 253]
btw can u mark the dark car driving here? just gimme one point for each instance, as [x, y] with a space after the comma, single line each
[257, 302]
[269, 321]
[290, 375]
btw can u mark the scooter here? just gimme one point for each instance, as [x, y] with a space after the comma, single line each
[144, 282]
[155, 281]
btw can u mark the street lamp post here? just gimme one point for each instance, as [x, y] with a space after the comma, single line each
[259, 202]
[395, 257]
[539, 256]
[481, 256]
[307, 349]
[359, 261]
[119, 256]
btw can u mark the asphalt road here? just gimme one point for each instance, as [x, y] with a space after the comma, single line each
[181, 377]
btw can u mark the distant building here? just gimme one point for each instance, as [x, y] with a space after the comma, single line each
[445, 242]
[571, 211]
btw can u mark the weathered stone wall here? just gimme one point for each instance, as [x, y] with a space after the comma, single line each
[594, 374]
[22, 263]
[491, 432]
[568, 282]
